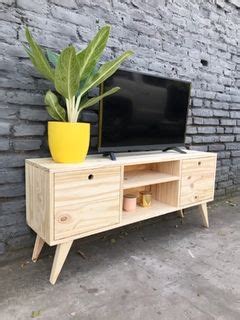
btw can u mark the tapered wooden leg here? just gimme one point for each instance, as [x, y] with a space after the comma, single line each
[39, 242]
[204, 213]
[180, 213]
[59, 259]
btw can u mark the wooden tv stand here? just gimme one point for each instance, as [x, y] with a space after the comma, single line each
[70, 201]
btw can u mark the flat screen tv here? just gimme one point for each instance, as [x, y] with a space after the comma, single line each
[147, 113]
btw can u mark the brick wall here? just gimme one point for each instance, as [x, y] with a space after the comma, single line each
[193, 40]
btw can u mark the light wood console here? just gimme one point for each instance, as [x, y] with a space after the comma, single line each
[70, 201]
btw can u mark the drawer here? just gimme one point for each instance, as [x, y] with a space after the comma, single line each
[76, 187]
[197, 165]
[82, 218]
[197, 181]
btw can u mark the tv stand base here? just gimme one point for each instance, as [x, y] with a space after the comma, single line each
[175, 149]
[111, 155]
[62, 249]
[66, 203]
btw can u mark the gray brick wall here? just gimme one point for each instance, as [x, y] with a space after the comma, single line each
[193, 40]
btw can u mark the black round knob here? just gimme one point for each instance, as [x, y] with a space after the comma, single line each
[90, 177]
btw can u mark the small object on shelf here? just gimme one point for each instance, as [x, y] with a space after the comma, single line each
[129, 202]
[145, 199]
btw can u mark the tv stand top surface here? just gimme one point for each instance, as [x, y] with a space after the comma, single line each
[97, 161]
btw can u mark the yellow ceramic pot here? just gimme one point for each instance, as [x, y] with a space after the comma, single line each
[68, 142]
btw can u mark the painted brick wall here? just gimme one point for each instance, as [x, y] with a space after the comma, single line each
[193, 40]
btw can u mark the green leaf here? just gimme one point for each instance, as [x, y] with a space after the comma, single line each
[67, 73]
[29, 52]
[105, 71]
[54, 109]
[52, 57]
[84, 81]
[36, 314]
[93, 101]
[38, 58]
[89, 57]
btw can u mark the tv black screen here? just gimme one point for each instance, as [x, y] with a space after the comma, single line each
[147, 113]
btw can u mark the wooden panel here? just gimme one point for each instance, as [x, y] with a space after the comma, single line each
[200, 164]
[151, 173]
[135, 158]
[39, 201]
[134, 179]
[141, 213]
[166, 192]
[198, 177]
[83, 204]
[157, 209]
[76, 218]
[74, 191]
[170, 167]
[86, 186]
[137, 167]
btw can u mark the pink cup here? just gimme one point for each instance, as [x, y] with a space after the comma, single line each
[129, 202]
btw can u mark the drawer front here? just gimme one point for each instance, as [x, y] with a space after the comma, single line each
[198, 178]
[81, 218]
[198, 165]
[86, 185]
[86, 200]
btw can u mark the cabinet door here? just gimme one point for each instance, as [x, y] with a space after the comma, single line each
[197, 182]
[86, 200]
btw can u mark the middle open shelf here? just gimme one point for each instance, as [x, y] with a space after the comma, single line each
[138, 178]
[157, 208]
[149, 174]
[160, 179]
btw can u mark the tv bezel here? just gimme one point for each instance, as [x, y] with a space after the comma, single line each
[148, 147]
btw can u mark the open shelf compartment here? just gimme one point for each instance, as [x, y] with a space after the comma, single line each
[164, 200]
[157, 208]
[151, 173]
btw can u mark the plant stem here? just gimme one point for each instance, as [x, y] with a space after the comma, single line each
[78, 101]
[77, 106]
[68, 107]
[72, 108]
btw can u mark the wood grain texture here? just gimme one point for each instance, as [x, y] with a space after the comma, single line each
[77, 204]
[157, 209]
[79, 218]
[39, 242]
[197, 183]
[39, 201]
[68, 202]
[166, 192]
[170, 167]
[126, 222]
[60, 256]
[83, 204]
[204, 213]
[135, 179]
[86, 185]
[123, 159]
[41, 209]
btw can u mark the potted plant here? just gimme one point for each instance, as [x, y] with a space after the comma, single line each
[73, 75]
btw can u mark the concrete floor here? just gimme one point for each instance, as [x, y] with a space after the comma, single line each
[161, 270]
